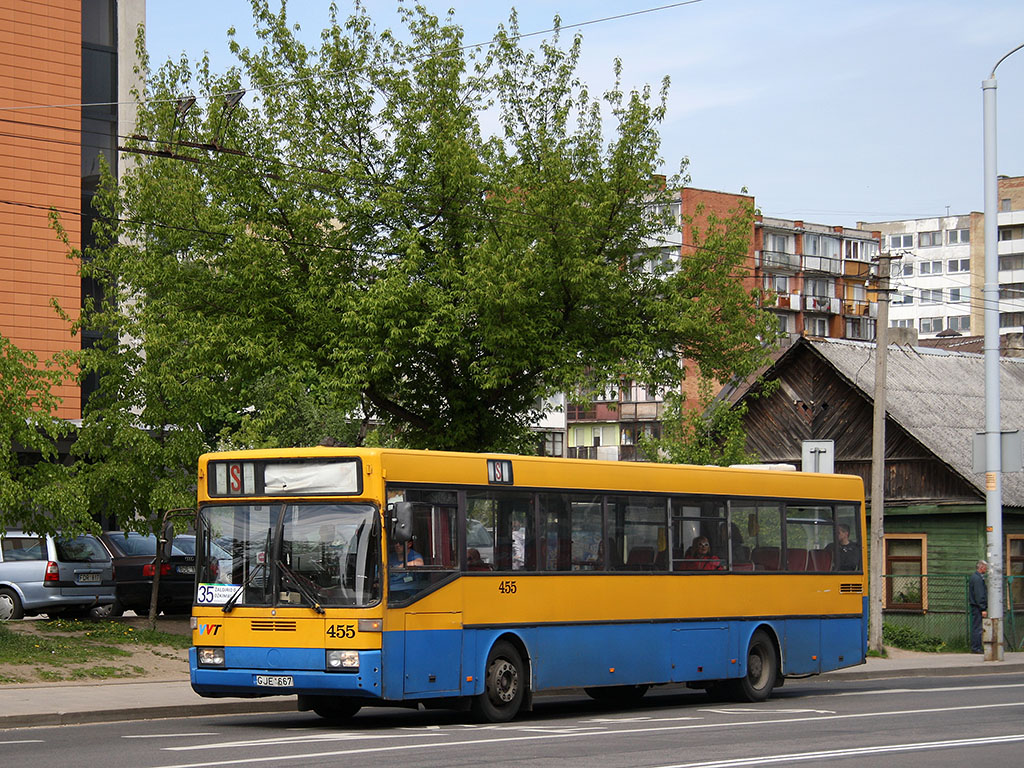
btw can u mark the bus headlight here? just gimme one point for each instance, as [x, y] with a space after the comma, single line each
[343, 661]
[210, 657]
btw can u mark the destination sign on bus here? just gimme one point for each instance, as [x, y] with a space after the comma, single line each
[285, 478]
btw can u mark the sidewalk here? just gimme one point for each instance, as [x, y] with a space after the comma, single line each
[56, 704]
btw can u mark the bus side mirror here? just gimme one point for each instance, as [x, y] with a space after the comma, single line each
[401, 521]
[166, 542]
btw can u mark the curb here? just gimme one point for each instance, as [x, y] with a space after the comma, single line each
[256, 706]
[992, 668]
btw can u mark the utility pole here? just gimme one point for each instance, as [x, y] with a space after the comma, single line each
[877, 554]
[993, 427]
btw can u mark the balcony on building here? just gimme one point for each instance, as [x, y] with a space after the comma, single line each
[859, 308]
[777, 261]
[823, 264]
[824, 304]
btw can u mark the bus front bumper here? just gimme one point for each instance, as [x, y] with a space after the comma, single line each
[290, 674]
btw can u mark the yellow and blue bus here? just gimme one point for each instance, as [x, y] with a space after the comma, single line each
[353, 577]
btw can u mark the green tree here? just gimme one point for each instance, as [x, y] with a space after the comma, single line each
[349, 240]
[35, 491]
[707, 432]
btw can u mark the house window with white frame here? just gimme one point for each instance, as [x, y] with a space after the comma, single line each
[903, 297]
[901, 241]
[931, 324]
[902, 323]
[930, 268]
[929, 239]
[958, 265]
[958, 236]
[959, 295]
[1010, 291]
[931, 295]
[819, 287]
[777, 243]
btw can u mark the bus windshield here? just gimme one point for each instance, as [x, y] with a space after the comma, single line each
[302, 554]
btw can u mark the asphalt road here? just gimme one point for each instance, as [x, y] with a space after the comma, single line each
[937, 721]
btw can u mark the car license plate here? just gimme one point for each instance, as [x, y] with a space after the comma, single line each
[275, 681]
[190, 569]
[88, 578]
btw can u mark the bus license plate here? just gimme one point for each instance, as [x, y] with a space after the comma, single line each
[88, 578]
[275, 681]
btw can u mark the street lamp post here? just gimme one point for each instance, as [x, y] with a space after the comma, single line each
[993, 428]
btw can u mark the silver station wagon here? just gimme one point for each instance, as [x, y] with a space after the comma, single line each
[55, 575]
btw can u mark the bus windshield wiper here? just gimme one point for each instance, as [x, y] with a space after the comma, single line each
[241, 589]
[303, 590]
[252, 575]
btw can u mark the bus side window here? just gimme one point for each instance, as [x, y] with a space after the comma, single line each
[508, 515]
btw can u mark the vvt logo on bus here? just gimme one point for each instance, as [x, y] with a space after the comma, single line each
[209, 629]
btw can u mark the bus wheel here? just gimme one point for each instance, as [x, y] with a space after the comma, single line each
[333, 708]
[617, 694]
[762, 669]
[504, 685]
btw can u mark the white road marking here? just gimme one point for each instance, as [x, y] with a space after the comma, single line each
[932, 690]
[538, 737]
[169, 735]
[881, 749]
[23, 741]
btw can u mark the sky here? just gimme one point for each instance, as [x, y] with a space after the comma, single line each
[827, 111]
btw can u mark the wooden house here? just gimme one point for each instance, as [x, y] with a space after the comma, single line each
[935, 518]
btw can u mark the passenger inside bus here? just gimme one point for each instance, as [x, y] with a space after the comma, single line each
[474, 562]
[699, 558]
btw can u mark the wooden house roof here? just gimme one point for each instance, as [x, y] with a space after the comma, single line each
[936, 395]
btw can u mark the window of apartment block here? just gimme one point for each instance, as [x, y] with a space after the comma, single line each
[901, 241]
[553, 444]
[1015, 569]
[1011, 233]
[904, 323]
[905, 270]
[958, 236]
[931, 296]
[812, 245]
[1011, 319]
[906, 586]
[1004, 205]
[1011, 261]
[931, 324]
[957, 295]
[958, 265]
[929, 239]
[862, 328]
[903, 297]
[776, 283]
[778, 243]
[816, 326]
[1009, 291]
[930, 268]
[959, 323]
[819, 286]
[785, 323]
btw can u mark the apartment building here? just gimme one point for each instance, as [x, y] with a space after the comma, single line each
[818, 281]
[938, 271]
[66, 67]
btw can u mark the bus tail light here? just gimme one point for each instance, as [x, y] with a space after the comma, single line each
[342, 661]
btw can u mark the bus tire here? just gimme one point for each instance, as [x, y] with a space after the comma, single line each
[334, 708]
[762, 669]
[504, 685]
[617, 694]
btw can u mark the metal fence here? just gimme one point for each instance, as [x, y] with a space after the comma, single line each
[936, 606]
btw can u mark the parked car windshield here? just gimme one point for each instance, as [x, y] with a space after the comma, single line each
[81, 549]
[136, 544]
[295, 554]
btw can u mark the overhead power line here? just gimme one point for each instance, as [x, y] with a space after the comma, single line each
[329, 73]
